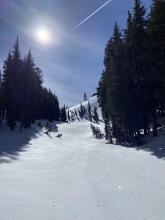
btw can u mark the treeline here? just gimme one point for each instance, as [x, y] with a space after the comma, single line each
[83, 113]
[131, 91]
[22, 96]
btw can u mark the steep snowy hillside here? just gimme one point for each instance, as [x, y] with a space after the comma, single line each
[77, 177]
[93, 103]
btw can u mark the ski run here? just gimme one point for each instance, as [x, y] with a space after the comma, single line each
[77, 177]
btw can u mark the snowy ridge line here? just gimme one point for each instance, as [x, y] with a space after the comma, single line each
[93, 101]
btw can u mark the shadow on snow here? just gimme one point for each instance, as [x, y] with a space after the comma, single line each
[154, 145]
[12, 143]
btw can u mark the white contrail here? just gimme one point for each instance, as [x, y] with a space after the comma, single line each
[91, 15]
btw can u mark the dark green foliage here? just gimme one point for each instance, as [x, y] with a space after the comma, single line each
[132, 85]
[96, 132]
[85, 96]
[63, 115]
[50, 106]
[72, 116]
[95, 115]
[24, 99]
[11, 85]
[82, 111]
[156, 59]
[89, 112]
[76, 115]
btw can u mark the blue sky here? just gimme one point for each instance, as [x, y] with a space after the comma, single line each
[73, 61]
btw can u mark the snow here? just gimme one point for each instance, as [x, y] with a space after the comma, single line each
[93, 102]
[77, 177]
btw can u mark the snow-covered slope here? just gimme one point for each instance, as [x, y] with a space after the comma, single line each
[77, 177]
[93, 103]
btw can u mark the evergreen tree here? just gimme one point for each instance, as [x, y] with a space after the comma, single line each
[76, 115]
[122, 92]
[112, 86]
[8, 90]
[132, 87]
[95, 115]
[82, 111]
[27, 104]
[63, 114]
[85, 96]
[24, 99]
[1, 99]
[101, 93]
[89, 112]
[156, 64]
[116, 92]
[135, 54]
[50, 106]
[16, 81]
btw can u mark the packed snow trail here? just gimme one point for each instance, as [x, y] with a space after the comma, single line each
[77, 177]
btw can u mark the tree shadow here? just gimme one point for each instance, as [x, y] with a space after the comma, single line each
[154, 145]
[12, 143]
[55, 127]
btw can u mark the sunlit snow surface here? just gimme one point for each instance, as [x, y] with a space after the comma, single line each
[78, 178]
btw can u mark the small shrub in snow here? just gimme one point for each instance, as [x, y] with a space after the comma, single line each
[96, 132]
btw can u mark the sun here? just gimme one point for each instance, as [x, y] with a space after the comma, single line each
[43, 35]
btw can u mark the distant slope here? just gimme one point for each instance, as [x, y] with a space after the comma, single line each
[93, 102]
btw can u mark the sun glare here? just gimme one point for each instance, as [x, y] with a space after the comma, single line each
[43, 36]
